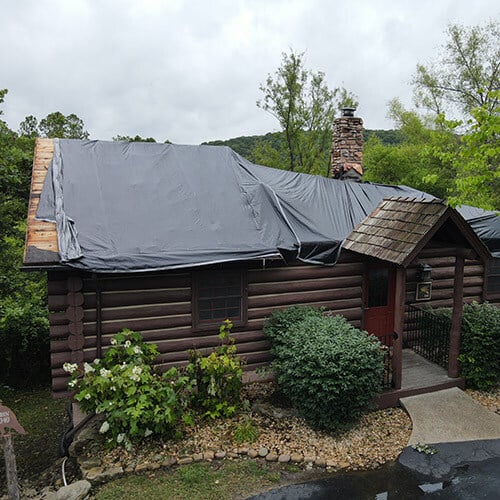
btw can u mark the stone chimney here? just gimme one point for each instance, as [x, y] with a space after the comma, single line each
[347, 148]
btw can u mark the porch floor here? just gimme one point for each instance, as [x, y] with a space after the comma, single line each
[419, 372]
[419, 376]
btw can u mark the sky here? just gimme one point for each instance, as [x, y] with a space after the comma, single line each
[189, 70]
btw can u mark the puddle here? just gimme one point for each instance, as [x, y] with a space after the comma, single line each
[394, 482]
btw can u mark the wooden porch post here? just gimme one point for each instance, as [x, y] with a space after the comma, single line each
[456, 320]
[399, 321]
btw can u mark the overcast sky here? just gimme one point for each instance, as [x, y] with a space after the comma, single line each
[190, 70]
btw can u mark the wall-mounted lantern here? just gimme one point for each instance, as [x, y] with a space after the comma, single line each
[424, 283]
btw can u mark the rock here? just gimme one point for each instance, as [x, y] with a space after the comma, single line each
[30, 492]
[184, 461]
[129, 469]
[243, 451]
[320, 462]
[197, 457]
[87, 438]
[344, 464]
[219, 455]
[208, 456]
[100, 475]
[169, 461]
[74, 491]
[88, 462]
[331, 463]
[309, 459]
[253, 453]
[296, 457]
[284, 458]
[232, 454]
[145, 466]
[269, 410]
[263, 451]
[271, 457]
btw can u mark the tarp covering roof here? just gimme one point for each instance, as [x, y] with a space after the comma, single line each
[486, 224]
[125, 207]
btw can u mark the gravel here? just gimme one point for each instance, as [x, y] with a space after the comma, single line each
[377, 438]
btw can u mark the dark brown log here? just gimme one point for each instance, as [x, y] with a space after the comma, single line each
[140, 324]
[74, 314]
[304, 285]
[76, 342]
[305, 272]
[110, 299]
[75, 283]
[58, 318]
[141, 282]
[286, 299]
[76, 328]
[57, 287]
[57, 302]
[74, 298]
[135, 312]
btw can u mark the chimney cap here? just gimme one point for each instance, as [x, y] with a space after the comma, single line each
[348, 111]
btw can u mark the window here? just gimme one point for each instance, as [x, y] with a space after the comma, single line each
[494, 276]
[218, 295]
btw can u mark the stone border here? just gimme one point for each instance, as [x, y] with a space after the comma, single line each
[96, 474]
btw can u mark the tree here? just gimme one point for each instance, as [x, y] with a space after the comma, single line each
[466, 74]
[305, 108]
[137, 138]
[29, 127]
[64, 127]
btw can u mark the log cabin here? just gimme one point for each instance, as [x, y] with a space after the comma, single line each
[170, 240]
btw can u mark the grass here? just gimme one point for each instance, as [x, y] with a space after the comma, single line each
[44, 420]
[218, 480]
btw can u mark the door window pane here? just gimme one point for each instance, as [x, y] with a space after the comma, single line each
[378, 287]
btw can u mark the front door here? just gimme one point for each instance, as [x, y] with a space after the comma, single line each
[379, 301]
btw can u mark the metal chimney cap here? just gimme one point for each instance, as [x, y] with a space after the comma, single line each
[348, 111]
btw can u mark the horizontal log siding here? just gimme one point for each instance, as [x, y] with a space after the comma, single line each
[159, 306]
[443, 279]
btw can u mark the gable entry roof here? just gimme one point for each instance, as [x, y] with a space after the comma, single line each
[399, 228]
[127, 207]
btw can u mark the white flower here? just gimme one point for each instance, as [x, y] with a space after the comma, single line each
[96, 361]
[88, 368]
[113, 388]
[120, 438]
[72, 384]
[113, 341]
[105, 373]
[70, 367]
[104, 427]
[148, 432]
[137, 350]
[127, 344]
[87, 396]
[136, 370]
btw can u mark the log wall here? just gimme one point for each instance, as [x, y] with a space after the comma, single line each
[159, 306]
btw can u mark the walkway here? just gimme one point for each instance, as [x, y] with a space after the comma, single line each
[449, 416]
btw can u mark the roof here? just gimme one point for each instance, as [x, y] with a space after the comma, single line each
[126, 207]
[399, 228]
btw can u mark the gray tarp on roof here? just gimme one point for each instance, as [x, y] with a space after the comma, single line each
[486, 224]
[124, 207]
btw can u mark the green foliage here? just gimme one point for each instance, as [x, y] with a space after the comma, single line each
[330, 370]
[134, 399]
[305, 108]
[480, 347]
[137, 138]
[464, 74]
[246, 432]
[63, 126]
[424, 448]
[278, 326]
[217, 377]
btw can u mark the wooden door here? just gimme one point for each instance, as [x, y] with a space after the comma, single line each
[379, 301]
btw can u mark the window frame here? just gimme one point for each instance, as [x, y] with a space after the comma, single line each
[211, 324]
[493, 276]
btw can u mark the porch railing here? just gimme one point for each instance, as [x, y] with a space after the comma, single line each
[428, 334]
[387, 341]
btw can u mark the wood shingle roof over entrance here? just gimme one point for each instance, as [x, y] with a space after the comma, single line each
[400, 227]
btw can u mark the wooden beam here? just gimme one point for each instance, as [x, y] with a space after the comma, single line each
[399, 320]
[456, 320]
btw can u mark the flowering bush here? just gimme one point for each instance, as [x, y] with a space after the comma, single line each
[135, 400]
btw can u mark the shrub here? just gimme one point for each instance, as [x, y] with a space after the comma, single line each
[246, 432]
[330, 370]
[135, 400]
[480, 346]
[217, 377]
[280, 322]
[24, 343]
